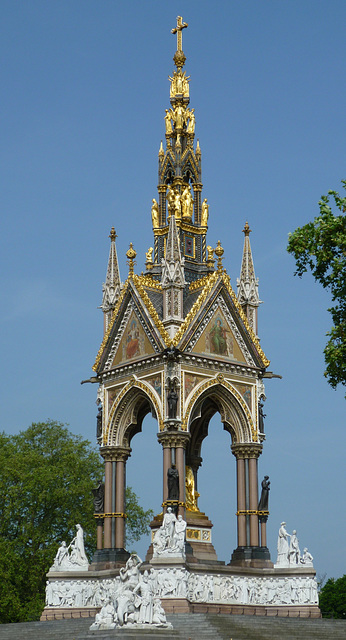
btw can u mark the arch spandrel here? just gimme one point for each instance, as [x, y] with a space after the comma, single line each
[226, 400]
[132, 404]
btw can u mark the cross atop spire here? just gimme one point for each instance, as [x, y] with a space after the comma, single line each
[178, 30]
[179, 57]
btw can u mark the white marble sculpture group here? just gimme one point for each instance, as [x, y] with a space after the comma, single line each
[133, 598]
[73, 557]
[132, 602]
[169, 539]
[288, 550]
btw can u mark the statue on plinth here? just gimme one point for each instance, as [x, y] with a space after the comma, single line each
[169, 539]
[73, 557]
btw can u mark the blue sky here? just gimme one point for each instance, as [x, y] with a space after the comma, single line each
[84, 88]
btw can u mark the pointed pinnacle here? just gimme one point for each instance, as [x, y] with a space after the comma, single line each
[247, 229]
[112, 235]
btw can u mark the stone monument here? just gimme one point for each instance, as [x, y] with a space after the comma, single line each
[180, 344]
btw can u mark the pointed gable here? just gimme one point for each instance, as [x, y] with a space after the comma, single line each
[135, 331]
[217, 326]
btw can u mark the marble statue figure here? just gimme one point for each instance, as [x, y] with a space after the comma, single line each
[105, 618]
[73, 557]
[78, 556]
[179, 534]
[307, 558]
[294, 551]
[283, 546]
[168, 525]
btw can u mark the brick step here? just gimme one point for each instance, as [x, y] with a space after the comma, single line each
[186, 626]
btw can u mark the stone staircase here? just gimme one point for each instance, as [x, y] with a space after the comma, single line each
[196, 626]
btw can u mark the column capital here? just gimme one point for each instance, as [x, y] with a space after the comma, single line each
[246, 450]
[115, 454]
[176, 439]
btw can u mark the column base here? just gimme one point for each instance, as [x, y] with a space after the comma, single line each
[108, 559]
[251, 557]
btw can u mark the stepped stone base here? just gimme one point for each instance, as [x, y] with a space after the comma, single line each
[197, 626]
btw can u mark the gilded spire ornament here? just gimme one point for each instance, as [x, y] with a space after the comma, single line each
[219, 253]
[179, 57]
[131, 254]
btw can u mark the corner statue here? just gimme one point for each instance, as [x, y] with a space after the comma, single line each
[72, 558]
[173, 483]
[264, 499]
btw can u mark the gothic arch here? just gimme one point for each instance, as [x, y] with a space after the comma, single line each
[134, 402]
[211, 397]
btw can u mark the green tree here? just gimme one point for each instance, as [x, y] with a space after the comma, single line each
[47, 474]
[321, 247]
[333, 598]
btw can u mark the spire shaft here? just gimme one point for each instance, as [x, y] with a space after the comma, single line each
[112, 285]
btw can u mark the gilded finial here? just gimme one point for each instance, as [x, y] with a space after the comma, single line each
[112, 235]
[179, 57]
[246, 229]
[219, 252]
[198, 148]
[131, 254]
[161, 151]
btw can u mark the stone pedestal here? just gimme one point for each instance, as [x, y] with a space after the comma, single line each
[104, 559]
[251, 557]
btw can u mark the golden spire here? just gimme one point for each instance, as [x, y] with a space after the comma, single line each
[131, 254]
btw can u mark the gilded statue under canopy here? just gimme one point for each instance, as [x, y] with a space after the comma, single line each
[174, 202]
[155, 214]
[179, 84]
[205, 213]
[179, 117]
[168, 122]
[191, 494]
[187, 203]
[190, 114]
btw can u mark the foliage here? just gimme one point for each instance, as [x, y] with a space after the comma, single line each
[137, 523]
[321, 247]
[333, 598]
[47, 474]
